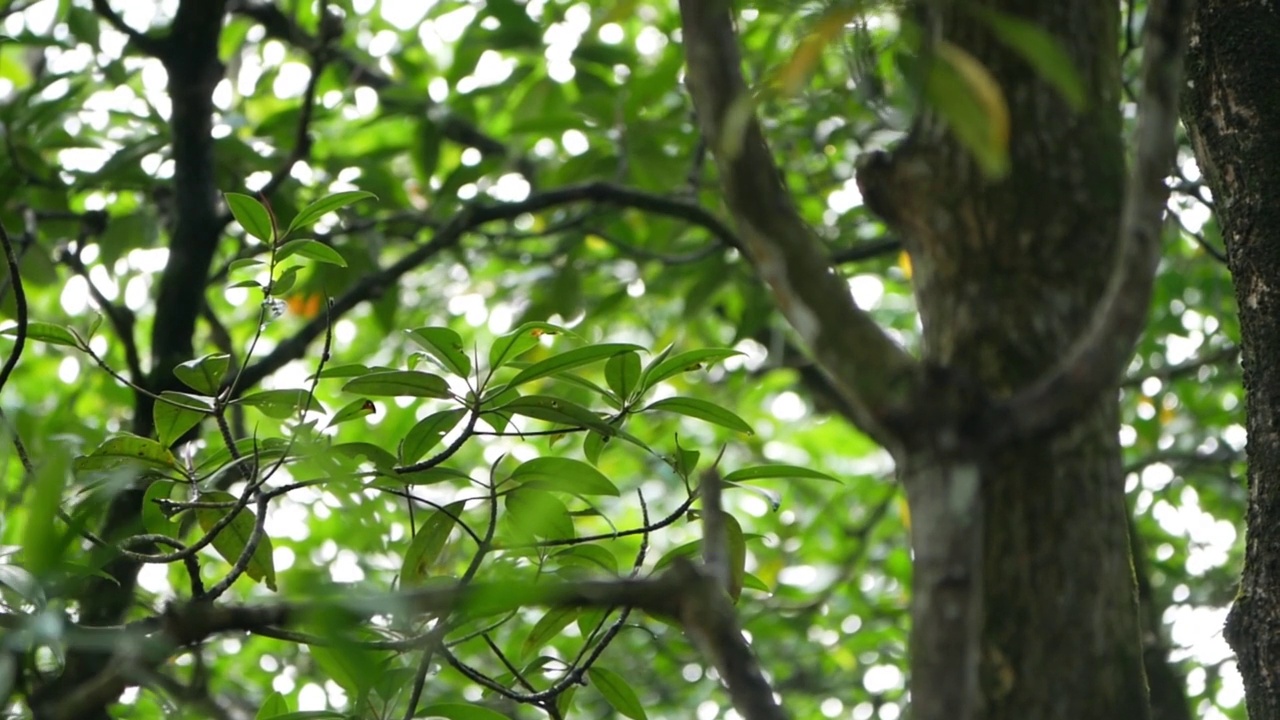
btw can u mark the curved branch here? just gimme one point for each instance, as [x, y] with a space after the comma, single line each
[145, 43]
[875, 375]
[1098, 358]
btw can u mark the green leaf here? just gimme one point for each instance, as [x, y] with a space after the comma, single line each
[538, 514]
[662, 369]
[234, 538]
[425, 548]
[1042, 51]
[312, 715]
[352, 410]
[570, 360]
[281, 404]
[547, 628]
[444, 345]
[347, 370]
[325, 205]
[427, 433]
[736, 547]
[242, 264]
[429, 476]
[285, 281]
[125, 451]
[702, 410]
[380, 458]
[173, 415]
[354, 668]
[153, 518]
[622, 373]
[761, 472]
[48, 333]
[205, 374]
[565, 475]
[399, 383]
[617, 692]
[251, 215]
[264, 449]
[312, 250]
[273, 707]
[460, 711]
[592, 557]
[518, 342]
[557, 410]
[593, 445]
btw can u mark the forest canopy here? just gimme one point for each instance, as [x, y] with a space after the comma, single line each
[388, 359]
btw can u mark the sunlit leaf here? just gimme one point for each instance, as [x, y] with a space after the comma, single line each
[762, 472]
[569, 360]
[427, 433]
[622, 373]
[702, 410]
[689, 361]
[399, 383]
[204, 374]
[281, 404]
[557, 410]
[520, 341]
[564, 474]
[353, 410]
[312, 250]
[444, 345]
[325, 205]
[47, 333]
[536, 513]
[251, 215]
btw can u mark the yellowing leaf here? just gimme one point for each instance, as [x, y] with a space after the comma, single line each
[904, 263]
[829, 27]
[987, 134]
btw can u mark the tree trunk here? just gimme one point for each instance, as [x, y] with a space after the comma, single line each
[1031, 290]
[1008, 274]
[1231, 108]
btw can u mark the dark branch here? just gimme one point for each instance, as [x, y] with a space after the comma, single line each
[145, 43]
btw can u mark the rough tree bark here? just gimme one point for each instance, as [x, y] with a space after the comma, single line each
[1005, 433]
[1231, 109]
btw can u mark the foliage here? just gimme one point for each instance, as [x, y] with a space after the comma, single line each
[502, 339]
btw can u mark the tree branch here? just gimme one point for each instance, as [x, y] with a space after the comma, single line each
[874, 374]
[1098, 358]
[682, 593]
[145, 43]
